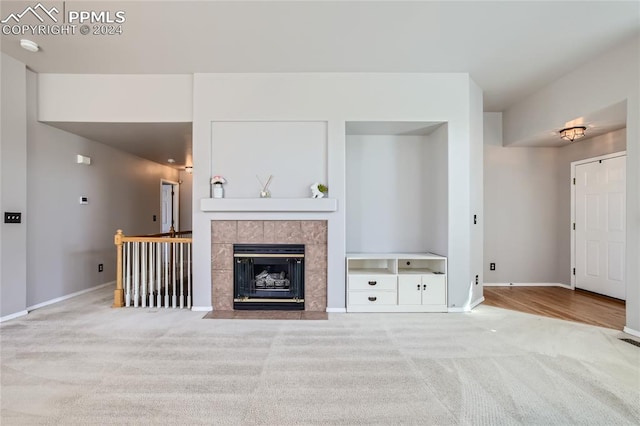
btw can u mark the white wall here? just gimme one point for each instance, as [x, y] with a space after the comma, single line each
[476, 195]
[115, 98]
[13, 182]
[295, 153]
[521, 190]
[186, 201]
[436, 189]
[386, 193]
[607, 80]
[66, 240]
[337, 98]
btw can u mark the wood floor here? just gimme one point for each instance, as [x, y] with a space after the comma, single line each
[557, 302]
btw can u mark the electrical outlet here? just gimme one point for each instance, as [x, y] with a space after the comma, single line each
[477, 279]
[154, 218]
[100, 267]
[492, 266]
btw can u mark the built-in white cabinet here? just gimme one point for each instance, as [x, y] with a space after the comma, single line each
[396, 282]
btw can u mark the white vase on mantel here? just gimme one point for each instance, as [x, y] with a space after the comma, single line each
[218, 190]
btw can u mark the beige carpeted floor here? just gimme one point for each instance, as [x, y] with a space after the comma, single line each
[80, 362]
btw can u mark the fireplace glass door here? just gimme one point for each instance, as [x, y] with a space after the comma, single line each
[268, 276]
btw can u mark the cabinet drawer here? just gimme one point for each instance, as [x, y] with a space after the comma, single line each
[372, 282]
[372, 298]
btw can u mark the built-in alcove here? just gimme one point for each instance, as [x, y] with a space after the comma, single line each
[397, 187]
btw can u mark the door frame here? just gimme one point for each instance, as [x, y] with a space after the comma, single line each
[176, 203]
[573, 205]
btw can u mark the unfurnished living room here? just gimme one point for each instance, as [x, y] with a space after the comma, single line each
[320, 212]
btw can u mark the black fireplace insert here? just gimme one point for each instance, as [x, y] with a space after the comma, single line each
[268, 276]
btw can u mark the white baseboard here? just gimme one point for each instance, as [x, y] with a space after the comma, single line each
[527, 285]
[467, 308]
[202, 308]
[69, 296]
[337, 310]
[631, 331]
[13, 316]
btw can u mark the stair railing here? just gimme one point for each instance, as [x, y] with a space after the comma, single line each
[153, 270]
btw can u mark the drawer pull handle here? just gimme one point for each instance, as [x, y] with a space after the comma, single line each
[372, 298]
[373, 282]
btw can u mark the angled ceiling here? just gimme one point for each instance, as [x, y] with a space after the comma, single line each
[510, 48]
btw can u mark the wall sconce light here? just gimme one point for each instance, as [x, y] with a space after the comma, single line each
[572, 133]
[189, 169]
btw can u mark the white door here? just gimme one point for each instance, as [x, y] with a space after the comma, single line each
[166, 212]
[600, 227]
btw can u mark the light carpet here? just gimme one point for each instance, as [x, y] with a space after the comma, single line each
[79, 362]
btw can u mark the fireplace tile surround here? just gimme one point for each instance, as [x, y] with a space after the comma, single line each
[311, 233]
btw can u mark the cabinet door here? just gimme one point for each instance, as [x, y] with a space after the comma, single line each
[409, 290]
[434, 289]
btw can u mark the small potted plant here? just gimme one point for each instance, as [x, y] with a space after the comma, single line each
[217, 191]
[318, 190]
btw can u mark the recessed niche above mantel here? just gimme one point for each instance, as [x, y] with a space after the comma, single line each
[269, 204]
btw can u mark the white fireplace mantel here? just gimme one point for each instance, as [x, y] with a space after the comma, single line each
[269, 204]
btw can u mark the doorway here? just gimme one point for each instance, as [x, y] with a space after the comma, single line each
[169, 206]
[598, 217]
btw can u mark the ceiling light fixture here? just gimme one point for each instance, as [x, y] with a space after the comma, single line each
[171, 161]
[29, 45]
[572, 133]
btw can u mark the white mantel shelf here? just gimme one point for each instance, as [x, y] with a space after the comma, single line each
[268, 204]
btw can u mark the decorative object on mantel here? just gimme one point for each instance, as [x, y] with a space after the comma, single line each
[264, 188]
[217, 191]
[318, 190]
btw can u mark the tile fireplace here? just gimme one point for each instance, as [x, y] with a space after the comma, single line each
[311, 235]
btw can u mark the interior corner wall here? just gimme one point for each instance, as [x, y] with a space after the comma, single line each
[13, 186]
[67, 240]
[520, 210]
[186, 208]
[476, 171]
[435, 178]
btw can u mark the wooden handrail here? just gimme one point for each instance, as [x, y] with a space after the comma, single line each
[120, 239]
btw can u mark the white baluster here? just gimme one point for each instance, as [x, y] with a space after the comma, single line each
[151, 268]
[136, 276]
[181, 275]
[127, 290]
[166, 276]
[159, 273]
[174, 255]
[189, 275]
[143, 270]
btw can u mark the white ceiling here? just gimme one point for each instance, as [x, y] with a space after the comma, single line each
[510, 48]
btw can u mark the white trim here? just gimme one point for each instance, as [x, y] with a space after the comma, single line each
[13, 316]
[573, 204]
[69, 296]
[631, 331]
[476, 302]
[337, 310]
[269, 204]
[528, 285]
[202, 308]
[467, 308]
